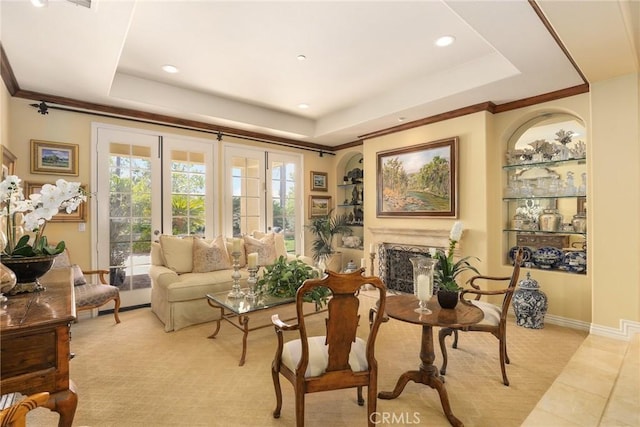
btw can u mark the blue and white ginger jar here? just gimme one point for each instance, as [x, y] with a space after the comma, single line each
[529, 303]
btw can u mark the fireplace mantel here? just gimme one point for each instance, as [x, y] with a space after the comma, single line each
[411, 236]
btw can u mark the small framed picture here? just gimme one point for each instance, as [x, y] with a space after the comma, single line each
[319, 206]
[54, 158]
[319, 181]
[79, 215]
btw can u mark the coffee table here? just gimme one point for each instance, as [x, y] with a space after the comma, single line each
[232, 309]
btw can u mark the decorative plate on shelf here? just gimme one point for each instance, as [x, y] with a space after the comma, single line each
[527, 254]
[574, 261]
[548, 257]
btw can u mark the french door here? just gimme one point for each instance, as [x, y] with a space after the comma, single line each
[147, 184]
[263, 191]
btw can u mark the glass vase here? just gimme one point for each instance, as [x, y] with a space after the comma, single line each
[422, 281]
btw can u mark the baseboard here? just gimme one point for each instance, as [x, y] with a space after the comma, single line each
[567, 323]
[627, 329]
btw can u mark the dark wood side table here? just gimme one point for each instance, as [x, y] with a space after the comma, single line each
[401, 307]
[34, 343]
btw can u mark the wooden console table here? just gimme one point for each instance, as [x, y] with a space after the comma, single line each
[34, 344]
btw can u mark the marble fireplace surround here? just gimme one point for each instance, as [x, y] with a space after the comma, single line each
[393, 248]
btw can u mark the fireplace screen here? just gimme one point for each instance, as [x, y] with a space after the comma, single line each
[396, 271]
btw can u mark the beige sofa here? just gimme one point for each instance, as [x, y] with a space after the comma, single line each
[185, 269]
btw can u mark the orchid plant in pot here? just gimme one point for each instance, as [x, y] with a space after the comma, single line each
[24, 247]
[447, 269]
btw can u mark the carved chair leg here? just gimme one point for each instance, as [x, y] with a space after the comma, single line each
[503, 357]
[360, 398]
[455, 339]
[116, 308]
[276, 385]
[372, 396]
[444, 332]
[299, 408]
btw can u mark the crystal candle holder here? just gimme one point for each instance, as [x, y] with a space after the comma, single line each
[236, 292]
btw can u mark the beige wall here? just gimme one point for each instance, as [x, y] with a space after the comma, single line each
[607, 295]
[70, 127]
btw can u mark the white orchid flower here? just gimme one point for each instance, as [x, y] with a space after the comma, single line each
[456, 231]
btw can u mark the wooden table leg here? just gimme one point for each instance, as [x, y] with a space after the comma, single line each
[64, 403]
[428, 375]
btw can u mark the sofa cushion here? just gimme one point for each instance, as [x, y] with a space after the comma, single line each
[210, 256]
[281, 248]
[191, 286]
[177, 252]
[265, 247]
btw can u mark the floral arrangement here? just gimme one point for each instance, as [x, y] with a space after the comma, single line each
[20, 215]
[447, 269]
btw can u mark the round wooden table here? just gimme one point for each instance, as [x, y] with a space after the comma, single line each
[402, 307]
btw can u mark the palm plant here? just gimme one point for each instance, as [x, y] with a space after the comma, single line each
[324, 228]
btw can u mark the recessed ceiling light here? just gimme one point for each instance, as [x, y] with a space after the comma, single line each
[303, 106]
[445, 41]
[301, 57]
[402, 119]
[39, 3]
[170, 69]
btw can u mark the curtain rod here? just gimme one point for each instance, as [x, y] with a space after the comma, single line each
[43, 108]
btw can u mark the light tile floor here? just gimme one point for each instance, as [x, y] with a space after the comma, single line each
[600, 386]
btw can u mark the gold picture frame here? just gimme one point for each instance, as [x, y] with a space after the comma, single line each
[319, 206]
[319, 181]
[419, 180]
[8, 162]
[79, 215]
[55, 158]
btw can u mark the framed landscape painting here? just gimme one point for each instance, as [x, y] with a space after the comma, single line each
[419, 181]
[319, 181]
[54, 158]
[319, 206]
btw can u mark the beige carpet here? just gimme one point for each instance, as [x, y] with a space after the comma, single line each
[135, 374]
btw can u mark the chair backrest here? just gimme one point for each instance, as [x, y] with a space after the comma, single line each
[513, 282]
[16, 415]
[343, 318]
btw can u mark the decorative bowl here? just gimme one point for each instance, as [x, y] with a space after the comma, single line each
[547, 257]
[527, 254]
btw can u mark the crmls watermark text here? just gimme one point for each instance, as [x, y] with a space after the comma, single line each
[390, 418]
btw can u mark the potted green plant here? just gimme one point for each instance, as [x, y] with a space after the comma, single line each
[447, 269]
[324, 228]
[284, 277]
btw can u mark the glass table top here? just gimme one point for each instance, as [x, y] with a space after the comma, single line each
[245, 305]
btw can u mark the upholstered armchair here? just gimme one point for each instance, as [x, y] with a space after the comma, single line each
[90, 294]
[495, 317]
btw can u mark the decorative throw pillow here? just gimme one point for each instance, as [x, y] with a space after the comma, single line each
[156, 254]
[78, 276]
[242, 260]
[177, 252]
[281, 248]
[210, 256]
[265, 247]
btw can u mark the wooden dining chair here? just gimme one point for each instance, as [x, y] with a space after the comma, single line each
[16, 414]
[495, 317]
[339, 359]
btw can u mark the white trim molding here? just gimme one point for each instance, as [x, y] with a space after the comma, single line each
[628, 328]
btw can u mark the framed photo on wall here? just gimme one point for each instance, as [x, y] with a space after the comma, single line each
[319, 181]
[55, 158]
[419, 181]
[8, 162]
[79, 215]
[319, 206]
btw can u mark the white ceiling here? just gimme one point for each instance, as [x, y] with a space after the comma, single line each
[368, 62]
